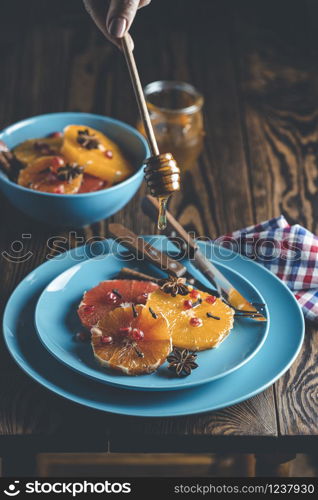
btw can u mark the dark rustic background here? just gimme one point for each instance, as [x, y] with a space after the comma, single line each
[256, 64]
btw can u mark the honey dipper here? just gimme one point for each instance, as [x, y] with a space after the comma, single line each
[161, 172]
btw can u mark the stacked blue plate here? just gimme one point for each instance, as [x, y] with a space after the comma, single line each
[40, 321]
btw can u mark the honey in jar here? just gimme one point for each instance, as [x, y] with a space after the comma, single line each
[175, 110]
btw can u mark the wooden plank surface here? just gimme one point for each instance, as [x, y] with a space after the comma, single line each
[278, 94]
[252, 167]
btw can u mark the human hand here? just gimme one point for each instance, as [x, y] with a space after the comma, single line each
[114, 17]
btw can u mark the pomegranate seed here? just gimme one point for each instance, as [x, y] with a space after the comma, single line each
[108, 153]
[81, 337]
[141, 299]
[59, 189]
[55, 134]
[57, 162]
[124, 330]
[196, 322]
[111, 298]
[187, 304]
[88, 309]
[210, 299]
[137, 334]
[106, 339]
[194, 294]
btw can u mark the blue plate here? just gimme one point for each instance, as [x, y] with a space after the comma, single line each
[57, 322]
[280, 348]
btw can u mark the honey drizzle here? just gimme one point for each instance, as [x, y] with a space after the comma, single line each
[162, 215]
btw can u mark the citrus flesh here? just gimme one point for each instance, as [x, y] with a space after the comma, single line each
[197, 328]
[106, 161]
[30, 150]
[240, 303]
[39, 176]
[116, 345]
[91, 183]
[98, 301]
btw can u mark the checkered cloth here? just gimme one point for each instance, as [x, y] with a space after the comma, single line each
[290, 252]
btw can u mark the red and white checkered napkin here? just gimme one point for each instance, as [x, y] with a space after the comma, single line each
[290, 252]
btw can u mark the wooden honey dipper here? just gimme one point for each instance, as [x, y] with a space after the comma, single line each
[161, 172]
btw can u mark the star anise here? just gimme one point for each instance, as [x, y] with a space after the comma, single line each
[182, 361]
[87, 140]
[69, 172]
[174, 286]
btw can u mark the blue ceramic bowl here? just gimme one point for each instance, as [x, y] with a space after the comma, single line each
[75, 209]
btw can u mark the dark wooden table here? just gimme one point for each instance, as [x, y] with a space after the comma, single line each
[256, 64]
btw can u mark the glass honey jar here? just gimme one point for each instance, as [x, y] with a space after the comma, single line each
[175, 110]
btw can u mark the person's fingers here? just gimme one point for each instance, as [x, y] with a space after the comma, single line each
[120, 15]
[114, 16]
[97, 9]
[143, 3]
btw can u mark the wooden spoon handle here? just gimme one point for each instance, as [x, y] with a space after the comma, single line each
[144, 250]
[139, 93]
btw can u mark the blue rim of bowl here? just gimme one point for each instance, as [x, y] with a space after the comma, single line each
[11, 128]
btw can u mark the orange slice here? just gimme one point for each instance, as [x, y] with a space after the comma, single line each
[131, 343]
[196, 328]
[39, 176]
[102, 299]
[91, 184]
[30, 150]
[240, 303]
[106, 161]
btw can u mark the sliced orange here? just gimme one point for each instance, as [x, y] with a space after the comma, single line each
[131, 340]
[105, 161]
[91, 184]
[30, 150]
[240, 303]
[197, 328]
[102, 298]
[40, 176]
